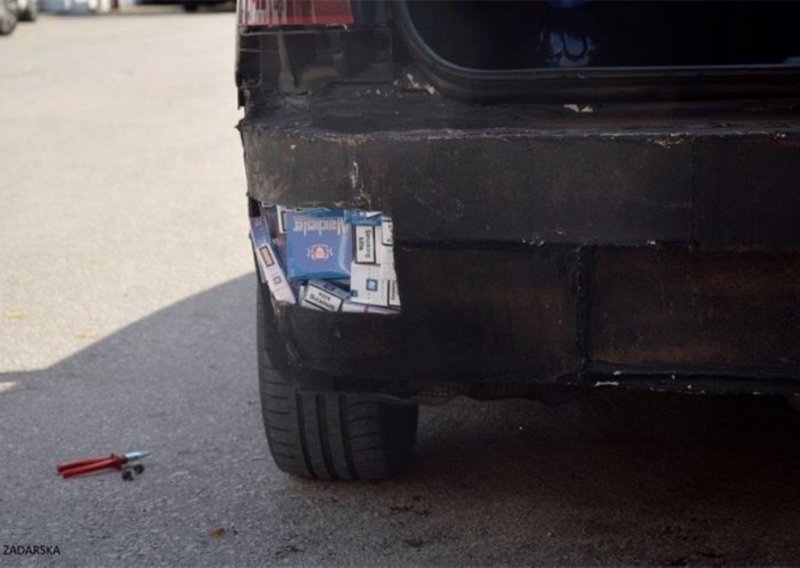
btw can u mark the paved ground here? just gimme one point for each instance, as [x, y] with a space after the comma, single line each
[126, 321]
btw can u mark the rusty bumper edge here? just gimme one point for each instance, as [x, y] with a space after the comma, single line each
[717, 189]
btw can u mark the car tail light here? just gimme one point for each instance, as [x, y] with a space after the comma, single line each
[274, 13]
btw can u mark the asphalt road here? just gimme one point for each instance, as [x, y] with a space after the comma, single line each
[126, 322]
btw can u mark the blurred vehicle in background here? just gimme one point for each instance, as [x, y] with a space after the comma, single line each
[77, 6]
[188, 5]
[8, 16]
[28, 10]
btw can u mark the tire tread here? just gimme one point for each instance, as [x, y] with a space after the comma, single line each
[326, 436]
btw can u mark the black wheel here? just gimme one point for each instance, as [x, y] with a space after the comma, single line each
[31, 12]
[326, 436]
[190, 7]
[8, 16]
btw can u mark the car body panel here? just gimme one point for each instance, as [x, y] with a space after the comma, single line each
[648, 240]
[553, 256]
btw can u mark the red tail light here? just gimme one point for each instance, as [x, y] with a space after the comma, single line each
[274, 13]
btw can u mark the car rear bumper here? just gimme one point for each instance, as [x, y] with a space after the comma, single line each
[665, 255]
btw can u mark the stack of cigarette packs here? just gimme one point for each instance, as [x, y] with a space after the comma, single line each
[334, 260]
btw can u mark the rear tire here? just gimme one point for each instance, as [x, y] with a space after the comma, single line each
[326, 436]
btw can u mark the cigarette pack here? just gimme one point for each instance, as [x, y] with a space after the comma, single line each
[275, 216]
[354, 308]
[368, 285]
[370, 244]
[388, 231]
[280, 213]
[279, 244]
[366, 243]
[269, 267]
[324, 296]
[372, 279]
[318, 244]
[356, 217]
[268, 213]
[259, 234]
[392, 291]
[385, 251]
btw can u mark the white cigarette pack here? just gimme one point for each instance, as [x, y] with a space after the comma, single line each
[371, 246]
[354, 308]
[324, 296]
[366, 243]
[385, 254]
[386, 241]
[373, 280]
[368, 285]
[394, 293]
[269, 267]
[387, 235]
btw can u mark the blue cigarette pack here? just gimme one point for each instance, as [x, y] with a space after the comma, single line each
[318, 244]
[364, 218]
[270, 269]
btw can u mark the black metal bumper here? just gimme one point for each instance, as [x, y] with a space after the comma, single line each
[664, 255]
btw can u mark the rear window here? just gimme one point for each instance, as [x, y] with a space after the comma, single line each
[495, 40]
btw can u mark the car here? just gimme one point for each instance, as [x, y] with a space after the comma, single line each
[188, 5]
[582, 195]
[77, 6]
[28, 10]
[8, 16]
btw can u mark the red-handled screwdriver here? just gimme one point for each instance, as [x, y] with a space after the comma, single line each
[96, 464]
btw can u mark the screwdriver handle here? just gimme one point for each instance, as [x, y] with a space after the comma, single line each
[114, 462]
[61, 467]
